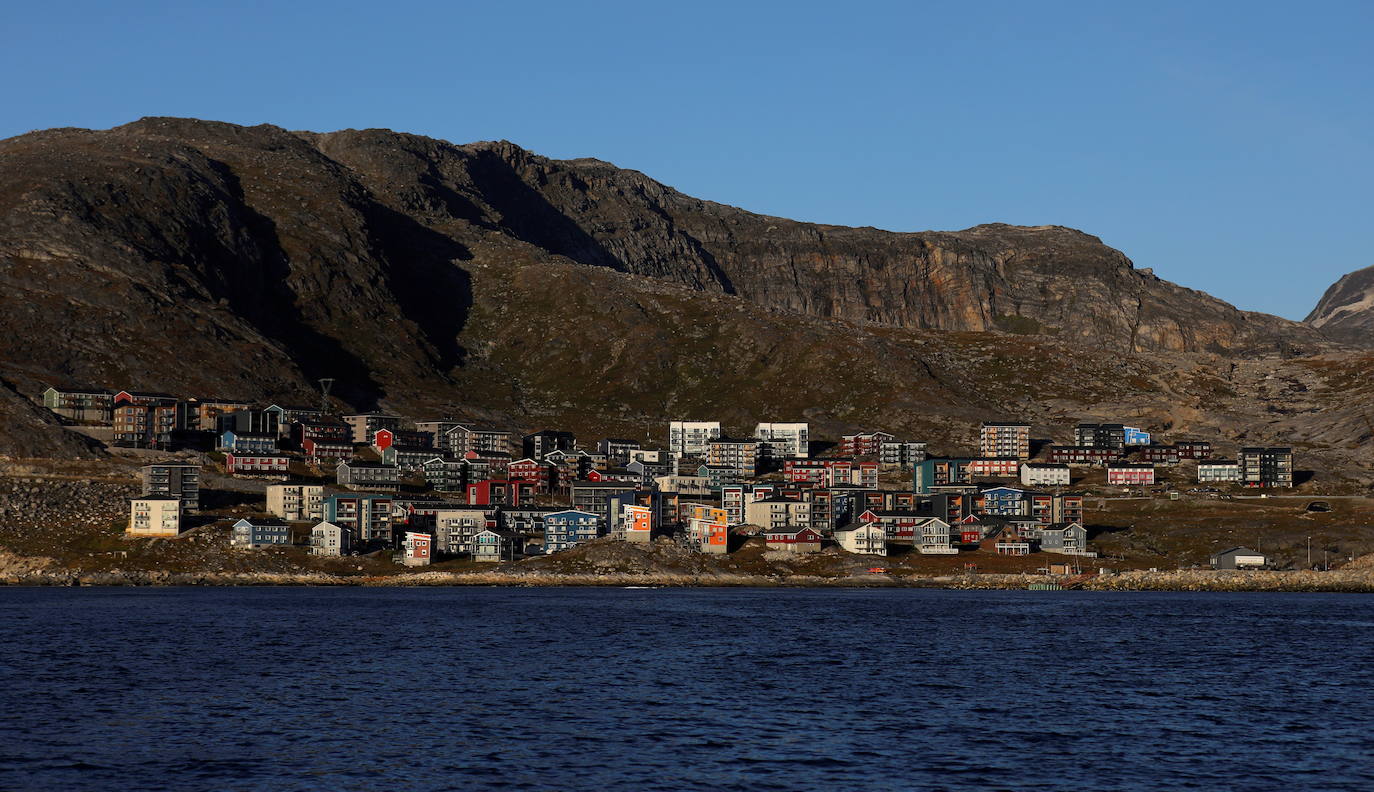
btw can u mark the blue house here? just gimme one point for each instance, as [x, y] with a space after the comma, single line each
[569, 528]
[259, 533]
[247, 443]
[1005, 502]
[1136, 437]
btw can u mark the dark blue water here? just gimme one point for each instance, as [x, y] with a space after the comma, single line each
[577, 689]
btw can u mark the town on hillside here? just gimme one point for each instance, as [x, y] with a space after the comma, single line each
[427, 489]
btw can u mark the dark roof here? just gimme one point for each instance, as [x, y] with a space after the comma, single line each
[80, 389]
[1047, 466]
[1006, 423]
[1238, 551]
[1266, 449]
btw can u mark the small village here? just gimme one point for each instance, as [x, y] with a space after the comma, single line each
[421, 491]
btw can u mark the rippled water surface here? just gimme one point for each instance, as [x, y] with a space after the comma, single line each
[670, 689]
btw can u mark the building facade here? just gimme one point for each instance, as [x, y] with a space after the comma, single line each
[328, 539]
[180, 481]
[1130, 475]
[1004, 439]
[253, 534]
[569, 528]
[296, 502]
[1266, 467]
[691, 438]
[781, 440]
[1045, 475]
[154, 516]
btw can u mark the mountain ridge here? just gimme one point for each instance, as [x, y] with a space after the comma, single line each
[486, 280]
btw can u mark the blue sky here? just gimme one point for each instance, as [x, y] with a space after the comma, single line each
[1230, 146]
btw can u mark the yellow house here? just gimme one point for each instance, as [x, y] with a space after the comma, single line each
[154, 517]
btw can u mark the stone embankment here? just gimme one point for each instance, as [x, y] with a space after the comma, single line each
[1360, 580]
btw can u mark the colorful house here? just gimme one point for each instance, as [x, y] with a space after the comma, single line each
[416, 549]
[1124, 474]
[637, 522]
[259, 533]
[569, 528]
[793, 540]
[155, 515]
[863, 538]
[257, 465]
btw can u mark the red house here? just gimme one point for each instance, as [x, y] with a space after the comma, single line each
[864, 443]
[320, 449]
[806, 471]
[1127, 475]
[539, 475]
[793, 540]
[995, 467]
[499, 492]
[257, 464]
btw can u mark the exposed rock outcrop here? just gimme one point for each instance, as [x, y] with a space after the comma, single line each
[1346, 311]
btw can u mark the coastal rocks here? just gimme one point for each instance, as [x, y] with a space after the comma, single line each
[1348, 580]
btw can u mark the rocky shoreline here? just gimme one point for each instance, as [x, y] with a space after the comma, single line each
[30, 571]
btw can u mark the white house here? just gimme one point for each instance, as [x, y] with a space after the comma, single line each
[328, 539]
[1034, 474]
[863, 538]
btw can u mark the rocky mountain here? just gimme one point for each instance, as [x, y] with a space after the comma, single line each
[485, 281]
[1346, 311]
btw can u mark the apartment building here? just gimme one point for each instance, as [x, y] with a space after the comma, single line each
[691, 438]
[328, 539]
[864, 443]
[154, 516]
[180, 481]
[365, 425]
[1100, 435]
[368, 476]
[1266, 467]
[296, 502]
[781, 440]
[1125, 474]
[1004, 439]
[776, 513]
[1035, 474]
[368, 517]
[82, 405]
[257, 465]
[741, 456]
[1218, 471]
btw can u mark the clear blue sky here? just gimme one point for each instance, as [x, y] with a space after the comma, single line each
[1230, 146]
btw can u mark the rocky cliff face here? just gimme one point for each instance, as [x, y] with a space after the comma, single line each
[1346, 311]
[207, 258]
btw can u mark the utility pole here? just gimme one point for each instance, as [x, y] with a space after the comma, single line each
[325, 384]
[1309, 552]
